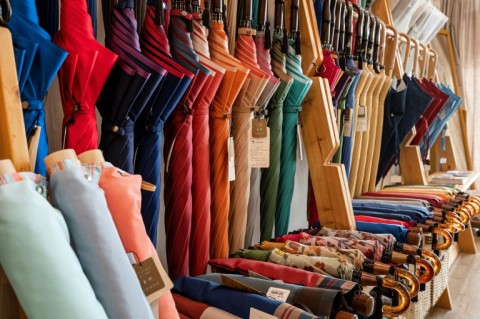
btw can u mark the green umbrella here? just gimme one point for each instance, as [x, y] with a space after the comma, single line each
[293, 105]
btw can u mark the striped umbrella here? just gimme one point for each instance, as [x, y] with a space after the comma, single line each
[124, 97]
[82, 76]
[178, 143]
[293, 105]
[271, 175]
[41, 60]
[262, 44]
[201, 193]
[149, 127]
[233, 80]
[243, 107]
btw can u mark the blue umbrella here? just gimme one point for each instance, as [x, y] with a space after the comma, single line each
[39, 63]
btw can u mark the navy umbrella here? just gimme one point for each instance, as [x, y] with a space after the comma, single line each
[149, 127]
[38, 60]
[48, 15]
[132, 83]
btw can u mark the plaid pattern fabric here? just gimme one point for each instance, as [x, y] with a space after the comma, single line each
[63, 164]
[38, 180]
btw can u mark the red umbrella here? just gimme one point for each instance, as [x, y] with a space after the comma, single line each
[82, 76]
[179, 148]
[201, 194]
[243, 107]
[233, 80]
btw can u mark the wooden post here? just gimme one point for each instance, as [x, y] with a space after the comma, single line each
[411, 164]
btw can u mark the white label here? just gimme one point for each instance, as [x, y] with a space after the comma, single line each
[278, 294]
[362, 119]
[299, 143]
[347, 123]
[443, 160]
[257, 314]
[167, 164]
[231, 159]
[260, 150]
[396, 179]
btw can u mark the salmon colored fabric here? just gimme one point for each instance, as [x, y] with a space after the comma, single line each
[122, 192]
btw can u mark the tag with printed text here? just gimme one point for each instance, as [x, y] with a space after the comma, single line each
[299, 143]
[362, 119]
[260, 150]
[231, 159]
[259, 128]
[278, 294]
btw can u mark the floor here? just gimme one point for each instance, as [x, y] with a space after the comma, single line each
[464, 284]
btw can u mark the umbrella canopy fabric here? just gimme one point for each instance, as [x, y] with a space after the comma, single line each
[125, 96]
[288, 158]
[149, 126]
[50, 286]
[96, 241]
[82, 76]
[243, 108]
[201, 192]
[264, 61]
[386, 239]
[195, 309]
[36, 75]
[48, 15]
[271, 175]
[178, 142]
[220, 115]
[235, 302]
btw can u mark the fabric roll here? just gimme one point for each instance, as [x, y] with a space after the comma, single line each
[96, 241]
[235, 302]
[400, 232]
[195, 309]
[50, 287]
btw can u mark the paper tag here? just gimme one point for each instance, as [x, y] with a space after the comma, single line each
[299, 143]
[278, 294]
[260, 150]
[167, 164]
[443, 160]
[257, 314]
[362, 119]
[149, 277]
[396, 179]
[347, 123]
[259, 128]
[231, 159]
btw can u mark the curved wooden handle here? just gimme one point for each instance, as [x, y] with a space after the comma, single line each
[404, 38]
[424, 270]
[59, 156]
[92, 156]
[6, 167]
[412, 280]
[447, 239]
[433, 260]
[403, 297]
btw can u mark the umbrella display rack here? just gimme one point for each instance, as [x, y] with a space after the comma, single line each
[320, 133]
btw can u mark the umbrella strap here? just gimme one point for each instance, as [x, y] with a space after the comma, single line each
[294, 109]
[116, 129]
[202, 112]
[245, 109]
[221, 116]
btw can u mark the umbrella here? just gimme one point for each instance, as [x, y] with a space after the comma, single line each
[141, 9]
[201, 193]
[293, 105]
[262, 45]
[48, 15]
[270, 176]
[40, 65]
[82, 76]
[178, 143]
[230, 87]
[134, 81]
[242, 110]
[149, 126]
[194, 309]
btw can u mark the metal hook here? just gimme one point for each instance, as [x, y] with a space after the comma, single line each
[8, 7]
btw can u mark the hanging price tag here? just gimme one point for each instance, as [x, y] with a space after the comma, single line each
[443, 160]
[260, 150]
[153, 278]
[362, 119]
[278, 294]
[231, 159]
[299, 143]
[257, 314]
[347, 123]
[259, 128]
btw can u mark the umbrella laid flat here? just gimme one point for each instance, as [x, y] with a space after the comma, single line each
[195, 309]
[232, 82]
[270, 176]
[82, 76]
[243, 107]
[178, 142]
[37, 76]
[201, 192]
[149, 126]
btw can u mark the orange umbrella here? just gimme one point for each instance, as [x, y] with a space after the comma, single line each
[233, 80]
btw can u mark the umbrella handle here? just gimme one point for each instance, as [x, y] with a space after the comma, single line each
[403, 296]
[6, 167]
[5, 4]
[348, 29]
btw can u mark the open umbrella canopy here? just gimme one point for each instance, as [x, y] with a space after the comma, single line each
[178, 142]
[220, 115]
[82, 76]
[40, 63]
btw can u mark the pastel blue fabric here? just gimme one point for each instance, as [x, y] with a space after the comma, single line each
[36, 255]
[399, 232]
[38, 60]
[415, 212]
[97, 244]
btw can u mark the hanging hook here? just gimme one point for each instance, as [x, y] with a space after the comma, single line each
[5, 4]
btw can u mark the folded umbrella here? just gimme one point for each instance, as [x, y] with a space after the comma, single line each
[233, 81]
[271, 175]
[178, 143]
[293, 105]
[195, 309]
[48, 15]
[149, 126]
[243, 107]
[40, 65]
[82, 76]
[387, 240]
[135, 80]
